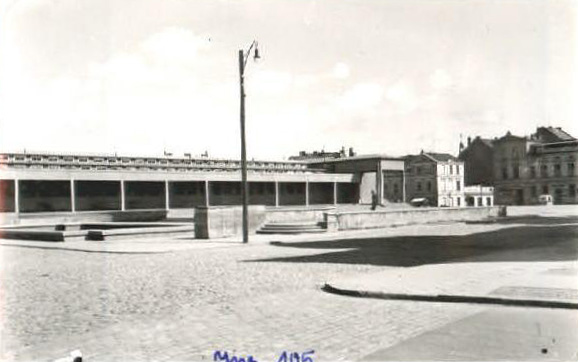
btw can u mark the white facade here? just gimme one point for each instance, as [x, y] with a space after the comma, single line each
[439, 178]
[477, 195]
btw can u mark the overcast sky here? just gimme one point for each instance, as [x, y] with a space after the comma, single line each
[392, 77]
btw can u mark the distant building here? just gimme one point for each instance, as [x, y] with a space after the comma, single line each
[478, 158]
[379, 175]
[437, 177]
[322, 155]
[542, 164]
[479, 195]
[523, 168]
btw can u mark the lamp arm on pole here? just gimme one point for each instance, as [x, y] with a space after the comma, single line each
[248, 52]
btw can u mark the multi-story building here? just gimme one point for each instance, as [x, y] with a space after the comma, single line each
[542, 164]
[523, 168]
[478, 158]
[437, 177]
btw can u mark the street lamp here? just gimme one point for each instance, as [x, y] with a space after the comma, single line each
[243, 57]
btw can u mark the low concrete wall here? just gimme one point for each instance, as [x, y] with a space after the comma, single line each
[181, 214]
[222, 221]
[81, 217]
[379, 219]
[96, 231]
[297, 214]
[42, 235]
[144, 232]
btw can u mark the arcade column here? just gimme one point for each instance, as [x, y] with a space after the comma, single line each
[122, 196]
[335, 193]
[167, 196]
[379, 182]
[17, 196]
[403, 185]
[72, 196]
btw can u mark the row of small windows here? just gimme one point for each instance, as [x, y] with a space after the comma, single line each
[544, 171]
[545, 190]
[422, 170]
[418, 186]
[97, 160]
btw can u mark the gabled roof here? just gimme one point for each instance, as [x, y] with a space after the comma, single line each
[431, 156]
[440, 157]
[509, 136]
[487, 141]
[476, 143]
[552, 134]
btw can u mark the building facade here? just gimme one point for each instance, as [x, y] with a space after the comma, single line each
[478, 158]
[479, 195]
[521, 169]
[72, 183]
[527, 167]
[437, 177]
[379, 175]
[42, 182]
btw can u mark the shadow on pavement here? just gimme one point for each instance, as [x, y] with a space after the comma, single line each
[556, 242]
[538, 220]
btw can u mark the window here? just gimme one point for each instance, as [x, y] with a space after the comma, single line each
[458, 169]
[545, 189]
[557, 170]
[533, 171]
[505, 173]
[418, 170]
[571, 168]
[459, 201]
[419, 186]
[458, 186]
[480, 201]
[429, 185]
[516, 171]
[534, 191]
[572, 190]
[451, 169]
[544, 170]
[488, 201]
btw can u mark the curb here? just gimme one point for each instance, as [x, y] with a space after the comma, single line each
[444, 298]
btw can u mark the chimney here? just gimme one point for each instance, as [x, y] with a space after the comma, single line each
[351, 153]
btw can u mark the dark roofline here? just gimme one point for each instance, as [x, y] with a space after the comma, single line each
[361, 157]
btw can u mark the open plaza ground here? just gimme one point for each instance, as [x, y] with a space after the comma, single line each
[185, 299]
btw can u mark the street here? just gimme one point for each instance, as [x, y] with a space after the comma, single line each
[262, 300]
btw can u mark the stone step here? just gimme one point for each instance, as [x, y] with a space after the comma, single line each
[291, 228]
[283, 227]
[308, 222]
[291, 231]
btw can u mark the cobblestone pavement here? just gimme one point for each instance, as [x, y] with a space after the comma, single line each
[257, 299]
